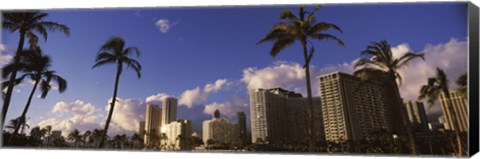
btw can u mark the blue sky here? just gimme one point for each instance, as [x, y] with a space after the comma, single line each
[199, 46]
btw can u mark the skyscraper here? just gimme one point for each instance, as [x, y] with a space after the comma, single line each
[242, 125]
[416, 114]
[279, 115]
[178, 134]
[153, 121]
[460, 108]
[351, 112]
[220, 131]
[169, 112]
[141, 130]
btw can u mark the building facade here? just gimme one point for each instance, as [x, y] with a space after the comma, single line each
[242, 128]
[153, 121]
[416, 114]
[220, 131]
[281, 116]
[460, 108]
[178, 135]
[352, 111]
[169, 110]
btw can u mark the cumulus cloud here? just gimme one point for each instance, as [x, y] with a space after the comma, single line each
[198, 96]
[5, 57]
[214, 87]
[80, 122]
[228, 108]
[163, 25]
[450, 56]
[78, 107]
[126, 115]
[288, 75]
[192, 97]
[157, 98]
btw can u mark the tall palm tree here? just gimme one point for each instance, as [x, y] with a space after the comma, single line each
[37, 69]
[435, 87]
[114, 52]
[27, 23]
[377, 62]
[462, 83]
[302, 29]
[76, 137]
[137, 140]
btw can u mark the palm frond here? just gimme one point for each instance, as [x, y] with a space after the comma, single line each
[323, 26]
[54, 26]
[405, 59]
[288, 14]
[322, 36]
[103, 62]
[281, 44]
[104, 56]
[131, 50]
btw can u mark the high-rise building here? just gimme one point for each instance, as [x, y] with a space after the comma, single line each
[153, 121]
[279, 115]
[460, 108]
[443, 120]
[169, 110]
[141, 130]
[220, 131]
[352, 111]
[242, 125]
[416, 114]
[178, 134]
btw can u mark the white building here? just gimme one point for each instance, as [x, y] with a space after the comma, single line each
[153, 119]
[220, 131]
[178, 135]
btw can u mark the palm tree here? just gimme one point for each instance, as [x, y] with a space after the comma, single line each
[301, 29]
[37, 69]
[137, 140]
[379, 62]
[95, 136]
[75, 137]
[86, 135]
[48, 133]
[462, 83]
[27, 24]
[114, 52]
[435, 87]
[36, 135]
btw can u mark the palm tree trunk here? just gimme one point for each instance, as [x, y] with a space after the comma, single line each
[454, 121]
[114, 99]
[24, 113]
[411, 139]
[309, 98]
[13, 76]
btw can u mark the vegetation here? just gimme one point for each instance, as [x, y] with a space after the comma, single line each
[27, 24]
[379, 62]
[302, 29]
[432, 90]
[114, 52]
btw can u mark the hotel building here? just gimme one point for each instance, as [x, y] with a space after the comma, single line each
[153, 119]
[460, 108]
[417, 115]
[220, 131]
[351, 111]
[178, 134]
[279, 115]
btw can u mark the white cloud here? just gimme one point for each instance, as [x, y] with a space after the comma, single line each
[163, 25]
[215, 86]
[197, 96]
[79, 122]
[192, 97]
[78, 108]
[288, 75]
[126, 115]
[228, 108]
[157, 98]
[5, 58]
[450, 56]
